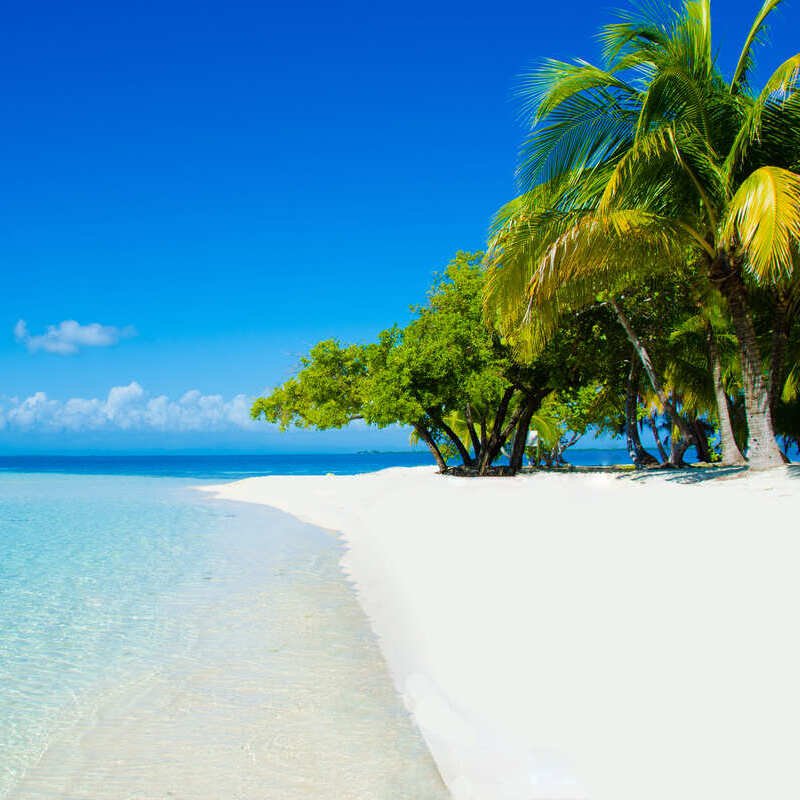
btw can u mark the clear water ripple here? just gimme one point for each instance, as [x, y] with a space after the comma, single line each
[142, 624]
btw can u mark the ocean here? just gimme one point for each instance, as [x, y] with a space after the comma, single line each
[236, 467]
[155, 642]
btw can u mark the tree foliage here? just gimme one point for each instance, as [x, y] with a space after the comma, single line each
[454, 380]
[644, 280]
[653, 164]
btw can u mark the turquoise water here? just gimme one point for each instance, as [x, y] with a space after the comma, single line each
[87, 566]
[155, 642]
[217, 467]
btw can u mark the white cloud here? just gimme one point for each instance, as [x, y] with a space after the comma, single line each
[127, 408]
[69, 336]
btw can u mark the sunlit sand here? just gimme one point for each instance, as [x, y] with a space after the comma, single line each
[569, 636]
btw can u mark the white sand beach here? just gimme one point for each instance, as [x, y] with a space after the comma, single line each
[580, 635]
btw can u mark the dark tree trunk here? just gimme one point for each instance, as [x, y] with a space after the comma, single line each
[678, 446]
[731, 454]
[426, 437]
[491, 449]
[781, 327]
[466, 458]
[521, 436]
[638, 455]
[680, 423]
[762, 448]
[701, 442]
[473, 434]
[679, 441]
[657, 436]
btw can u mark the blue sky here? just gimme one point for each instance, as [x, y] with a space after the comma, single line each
[218, 186]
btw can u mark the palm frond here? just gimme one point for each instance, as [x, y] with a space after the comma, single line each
[585, 130]
[782, 86]
[520, 233]
[791, 387]
[644, 150]
[764, 219]
[674, 93]
[547, 424]
[603, 244]
[544, 88]
[596, 255]
[745, 62]
[645, 25]
[698, 35]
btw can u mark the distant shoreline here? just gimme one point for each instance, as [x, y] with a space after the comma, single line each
[226, 466]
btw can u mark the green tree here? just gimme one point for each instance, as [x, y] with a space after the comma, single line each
[655, 163]
[445, 362]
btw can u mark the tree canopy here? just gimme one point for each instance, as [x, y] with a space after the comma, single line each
[449, 376]
[655, 164]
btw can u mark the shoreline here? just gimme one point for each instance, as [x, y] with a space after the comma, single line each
[564, 636]
[276, 687]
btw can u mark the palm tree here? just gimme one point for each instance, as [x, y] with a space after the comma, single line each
[704, 369]
[655, 163]
[525, 243]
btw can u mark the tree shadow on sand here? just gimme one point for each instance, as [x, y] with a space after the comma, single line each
[701, 474]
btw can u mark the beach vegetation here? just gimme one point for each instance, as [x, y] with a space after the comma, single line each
[643, 283]
[454, 380]
[653, 164]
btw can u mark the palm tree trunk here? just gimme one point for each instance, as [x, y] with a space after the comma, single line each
[677, 447]
[731, 454]
[657, 436]
[762, 448]
[679, 422]
[638, 455]
[780, 339]
[426, 437]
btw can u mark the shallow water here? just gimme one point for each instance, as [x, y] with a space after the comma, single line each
[154, 643]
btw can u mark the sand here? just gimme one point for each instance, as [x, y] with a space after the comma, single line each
[580, 635]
